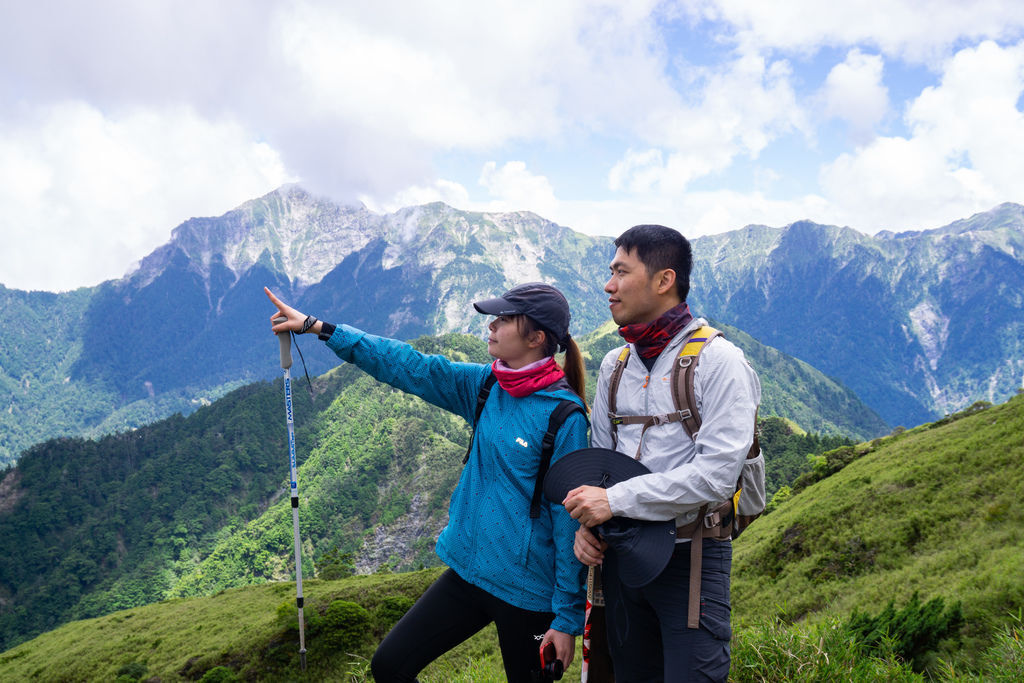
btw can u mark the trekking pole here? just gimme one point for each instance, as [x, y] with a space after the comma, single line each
[286, 363]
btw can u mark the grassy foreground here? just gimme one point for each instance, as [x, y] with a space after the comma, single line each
[252, 631]
[249, 634]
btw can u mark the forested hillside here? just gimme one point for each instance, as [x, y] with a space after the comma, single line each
[789, 387]
[106, 524]
[192, 505]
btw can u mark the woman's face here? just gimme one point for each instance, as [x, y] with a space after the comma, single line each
[507, 343]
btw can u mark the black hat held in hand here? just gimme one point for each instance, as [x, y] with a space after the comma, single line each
[640, 549]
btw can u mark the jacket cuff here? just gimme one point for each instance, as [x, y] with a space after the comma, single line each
[566, 626]
[326, 330]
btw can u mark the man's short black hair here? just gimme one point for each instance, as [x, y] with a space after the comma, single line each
[659, 248]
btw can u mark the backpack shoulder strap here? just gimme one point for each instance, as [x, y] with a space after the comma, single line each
[481, 399]
[613, 390]
[682, 377]
[547, 448]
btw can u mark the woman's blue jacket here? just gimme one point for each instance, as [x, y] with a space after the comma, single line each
[490, 539]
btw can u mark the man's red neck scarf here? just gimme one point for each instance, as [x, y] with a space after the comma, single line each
[525, 381]
[650, 339]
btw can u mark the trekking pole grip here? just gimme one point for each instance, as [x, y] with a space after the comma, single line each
[285, 338]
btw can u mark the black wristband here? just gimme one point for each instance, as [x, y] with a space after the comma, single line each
[326, 330]
[307, 323]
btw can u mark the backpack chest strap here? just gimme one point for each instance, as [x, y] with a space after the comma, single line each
[649, 421]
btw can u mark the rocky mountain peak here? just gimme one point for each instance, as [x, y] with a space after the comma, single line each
[303, 235]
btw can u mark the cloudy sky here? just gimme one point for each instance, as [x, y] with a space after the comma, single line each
[120, 119]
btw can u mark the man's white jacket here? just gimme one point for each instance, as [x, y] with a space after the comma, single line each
[685, 473]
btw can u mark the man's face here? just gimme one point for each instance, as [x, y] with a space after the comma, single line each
[633, 296]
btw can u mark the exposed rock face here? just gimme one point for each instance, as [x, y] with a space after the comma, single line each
[399, 543]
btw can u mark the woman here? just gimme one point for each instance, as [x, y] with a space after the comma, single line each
[505, 566]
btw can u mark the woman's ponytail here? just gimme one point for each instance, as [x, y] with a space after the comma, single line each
[575, 375]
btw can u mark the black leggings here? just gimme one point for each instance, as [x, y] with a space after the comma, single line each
[449, 612]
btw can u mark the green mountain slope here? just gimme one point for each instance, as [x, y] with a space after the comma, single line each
[128, 519]
[383, 466]
[880, 529]
[938, 509]
[193, 505]
[252, 631]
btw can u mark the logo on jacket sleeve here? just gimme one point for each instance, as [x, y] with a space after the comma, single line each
[521, 442]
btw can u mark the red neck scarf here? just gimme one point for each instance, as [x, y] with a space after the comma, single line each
[650, 339]
[521, 383]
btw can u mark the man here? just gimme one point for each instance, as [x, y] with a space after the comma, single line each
[648, 634]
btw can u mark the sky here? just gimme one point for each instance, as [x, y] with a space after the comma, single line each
[121, 119]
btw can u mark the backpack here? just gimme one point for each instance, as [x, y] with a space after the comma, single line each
[564, 408]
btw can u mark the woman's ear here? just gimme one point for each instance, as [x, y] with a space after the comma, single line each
[536, 339]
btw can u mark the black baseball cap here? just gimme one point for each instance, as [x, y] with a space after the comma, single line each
[543, 303]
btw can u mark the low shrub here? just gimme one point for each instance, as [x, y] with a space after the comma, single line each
[915, 631]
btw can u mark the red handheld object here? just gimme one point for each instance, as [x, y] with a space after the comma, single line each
[550, 665]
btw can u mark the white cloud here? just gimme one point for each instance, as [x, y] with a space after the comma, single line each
[390, 82]
[512, 186]
[917, 30]
[738, 111]
[637, 172]
[692, 213]
[450, 192]
[854, 92]
[119, 120]
[86, 194]
[963, 154]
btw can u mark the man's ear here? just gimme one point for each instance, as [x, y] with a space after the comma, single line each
[665, 280]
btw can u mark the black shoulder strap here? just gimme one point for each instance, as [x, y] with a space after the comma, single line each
[481, 399]
[547, 448]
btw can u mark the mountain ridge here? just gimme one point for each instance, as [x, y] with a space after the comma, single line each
[890, 317]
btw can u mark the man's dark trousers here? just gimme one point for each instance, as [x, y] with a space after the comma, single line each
[647, 632]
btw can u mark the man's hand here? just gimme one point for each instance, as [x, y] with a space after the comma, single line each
[589, 549]
[565, 645]
[588, 505]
